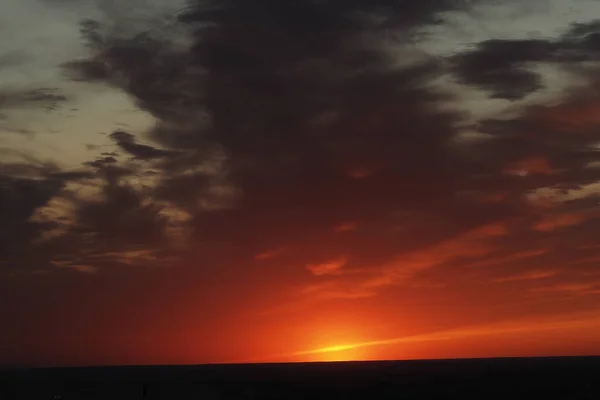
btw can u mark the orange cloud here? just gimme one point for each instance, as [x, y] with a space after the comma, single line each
[572, 288]
[404, 267]
[328, 268]
[83, 268]
[270, 254]
[508, 258]
[575, 117]
[530, 166]
[532, 275]
[86, 269]
[359, 173]
[345, 227]
[483, 232]
[554, 222]
[589, 260]
[336, 290]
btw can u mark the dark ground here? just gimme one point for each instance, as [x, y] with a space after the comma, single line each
[510, 378]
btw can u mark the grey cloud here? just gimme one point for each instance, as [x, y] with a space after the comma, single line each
[121, 220]
[19, 198]
[318, 127]
[12, 59]
[258, 81]
[48, 98]
[501, 67]
[126, 142]
[102, 162]
[504, 67]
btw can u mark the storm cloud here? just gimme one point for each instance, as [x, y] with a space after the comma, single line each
[321, 139]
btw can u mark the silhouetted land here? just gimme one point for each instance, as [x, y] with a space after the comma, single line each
[509, 378]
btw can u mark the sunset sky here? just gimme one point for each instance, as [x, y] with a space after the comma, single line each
[220, 181]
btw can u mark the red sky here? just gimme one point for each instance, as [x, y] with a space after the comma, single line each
[291, 181]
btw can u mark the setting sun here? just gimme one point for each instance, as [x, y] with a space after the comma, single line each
[347, 352]
[338, 339]
[336, 348]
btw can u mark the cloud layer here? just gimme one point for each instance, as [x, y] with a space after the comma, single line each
[315, 140]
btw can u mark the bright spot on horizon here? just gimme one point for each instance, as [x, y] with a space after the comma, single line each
[341, 352]
[336, 348]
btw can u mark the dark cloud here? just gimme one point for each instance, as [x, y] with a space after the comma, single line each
[19, 169]
[318, 124]
[331, 18]
[48, 98]
[35, 169]
[93, 231]
[318, 127]
[563, 136]
[504, 68]
[102, 162]
[68, 175]
[19, 199]
[120, 220]
[581, 43]
[116, 228]
[126, 142]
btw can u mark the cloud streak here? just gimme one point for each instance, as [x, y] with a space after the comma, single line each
[548, 325]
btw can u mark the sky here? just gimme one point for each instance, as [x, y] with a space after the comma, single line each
[206, 181]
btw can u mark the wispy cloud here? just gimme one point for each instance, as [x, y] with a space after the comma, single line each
[553, 222]
[525, 276]
[403, 268]
[550, 325]
[575, 288]
[82, 268]
[331, 267]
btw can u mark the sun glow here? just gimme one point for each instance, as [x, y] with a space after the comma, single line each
[342, 352]
[336, 348]
[335, 341]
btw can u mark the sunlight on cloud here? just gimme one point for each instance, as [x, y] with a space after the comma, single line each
[404, 268]
[60, 211]
[553, 196]
[82, 268]
[328, 268]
